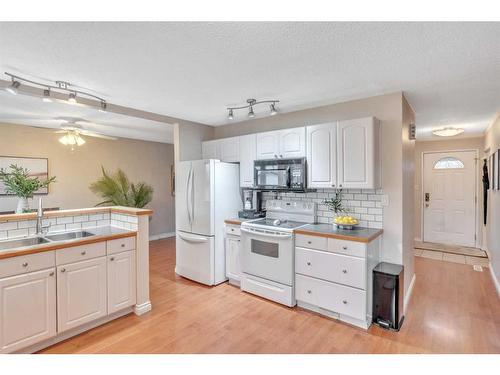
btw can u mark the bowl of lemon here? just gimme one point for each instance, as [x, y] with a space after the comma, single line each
[345, 222]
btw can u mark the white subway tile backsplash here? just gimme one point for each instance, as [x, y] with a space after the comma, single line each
[361, 197]
[3, 234]
[26, 224]
[95, 217]
[18, 233]
[79, 219]
[375, 211]
[57, 228]
[9, 225]
[73, 226]
[101, 223]
[367, 204]
[89, 224]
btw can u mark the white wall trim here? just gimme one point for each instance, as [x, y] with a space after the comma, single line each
[161, 235]
[409, 292]
[495, 280]
[417, 239]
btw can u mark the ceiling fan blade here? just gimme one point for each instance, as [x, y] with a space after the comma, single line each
[97, 135]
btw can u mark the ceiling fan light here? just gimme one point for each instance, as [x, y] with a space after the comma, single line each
[13, 87]
[251, 113]
[447, 131]
[72, 139]
[46, 96]
[230, 115]
[72, 98]
[103, 107]
[273, 110]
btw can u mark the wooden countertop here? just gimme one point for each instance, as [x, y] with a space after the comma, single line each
[236, 221]
[79, 211]
[101, 234]
[364, 235]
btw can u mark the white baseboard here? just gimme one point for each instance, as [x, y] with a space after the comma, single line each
[161, 235]
[143, 308]
[417, 239]
[495, 280]
[409, 292]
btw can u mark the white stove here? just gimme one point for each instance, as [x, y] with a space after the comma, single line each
[267, 253]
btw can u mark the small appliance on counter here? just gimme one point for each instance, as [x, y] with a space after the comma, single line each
[388, 284]
[252, 205]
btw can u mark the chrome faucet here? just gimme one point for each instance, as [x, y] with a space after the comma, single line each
[40, 229]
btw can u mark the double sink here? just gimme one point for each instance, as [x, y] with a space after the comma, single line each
[32, 241]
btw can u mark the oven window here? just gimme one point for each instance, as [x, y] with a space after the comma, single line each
[267, 249]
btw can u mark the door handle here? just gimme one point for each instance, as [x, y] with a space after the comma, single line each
[427, 198]
[187, 195]
[190, 238]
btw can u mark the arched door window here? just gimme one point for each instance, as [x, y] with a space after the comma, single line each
[449, 163]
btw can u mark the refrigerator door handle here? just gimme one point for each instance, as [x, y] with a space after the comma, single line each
[191, 238]
[187, 196]
[192, 196]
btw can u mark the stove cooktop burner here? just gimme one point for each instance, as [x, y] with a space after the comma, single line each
[278, 223]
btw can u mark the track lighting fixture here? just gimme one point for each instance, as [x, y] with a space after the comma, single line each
[13, 87]
[57, 87]
[250, 105]
[46, 96]
[72, 98]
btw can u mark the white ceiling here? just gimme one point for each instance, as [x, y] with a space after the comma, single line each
[448, 71]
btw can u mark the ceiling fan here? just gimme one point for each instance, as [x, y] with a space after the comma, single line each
[73, 130]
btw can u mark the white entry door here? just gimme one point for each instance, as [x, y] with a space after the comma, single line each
[449, 198]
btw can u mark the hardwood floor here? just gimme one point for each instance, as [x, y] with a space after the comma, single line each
[454, 309]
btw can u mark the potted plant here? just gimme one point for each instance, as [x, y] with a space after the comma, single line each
[117, 190]
[17, 181]
[342, 218]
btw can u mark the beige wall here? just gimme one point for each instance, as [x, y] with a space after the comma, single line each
[492, 232]
[408, 192]
[446, 145]
[188, 138]
[141, 161]
[389, 110]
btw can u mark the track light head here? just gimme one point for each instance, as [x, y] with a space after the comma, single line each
[273, 109]
[251, 114]
[13, 87]
[230, 115]
[103, 107]
[72, 98]
[46, 96]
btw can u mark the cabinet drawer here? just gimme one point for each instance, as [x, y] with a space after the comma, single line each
[233, 230]
[311, 242]
[338, 268]
[26, 263]
[356, 249]
[330, 296]
[121, 244]
[78, 253]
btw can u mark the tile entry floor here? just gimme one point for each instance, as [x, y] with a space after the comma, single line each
[454, 258]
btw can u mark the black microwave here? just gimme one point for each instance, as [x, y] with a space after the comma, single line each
[280, 174]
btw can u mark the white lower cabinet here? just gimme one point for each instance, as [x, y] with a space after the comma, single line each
[121, 281]
[27, 309]
[81, 293]
[233, 248]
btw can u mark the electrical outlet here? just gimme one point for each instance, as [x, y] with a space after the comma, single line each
[384, 200]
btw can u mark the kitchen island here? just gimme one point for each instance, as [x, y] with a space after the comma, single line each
[90, 268]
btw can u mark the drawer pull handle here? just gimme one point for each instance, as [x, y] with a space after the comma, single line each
[83, 252]
[344, 302]
[123, 245]
[51, 274]
[308, 263]
[25, 264]
[63, 270]
[344, 247]
[232, 230]
[309, 292]
[309, 242]
[112, 258]
[344, 271]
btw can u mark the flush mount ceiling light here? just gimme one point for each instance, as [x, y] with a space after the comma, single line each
[448, 131]
[57, 86]
[250, 105]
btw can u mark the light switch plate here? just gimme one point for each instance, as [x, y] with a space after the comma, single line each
[384, 200]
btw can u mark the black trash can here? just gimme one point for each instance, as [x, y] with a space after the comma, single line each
[388, 286]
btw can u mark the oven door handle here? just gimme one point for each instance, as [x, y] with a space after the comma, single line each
[266, 234]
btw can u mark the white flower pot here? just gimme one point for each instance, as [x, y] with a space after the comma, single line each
[22, 205]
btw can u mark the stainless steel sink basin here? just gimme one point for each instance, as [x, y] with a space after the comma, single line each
[22, 242]
[69, 235]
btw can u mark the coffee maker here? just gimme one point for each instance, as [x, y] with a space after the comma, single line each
[252, 204]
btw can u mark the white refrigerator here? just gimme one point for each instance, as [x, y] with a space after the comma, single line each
[207, 193]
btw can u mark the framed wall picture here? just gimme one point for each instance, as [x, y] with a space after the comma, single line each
[494, 171]
[497, 169]
[37, 167]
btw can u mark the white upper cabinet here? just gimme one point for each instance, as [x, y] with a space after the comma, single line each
[248, 150]
[322, 155]
[268, 145]
[230, 149]
[285, 144]
[210, 149]
[358, 153]
[293, 143]
[27, 309]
